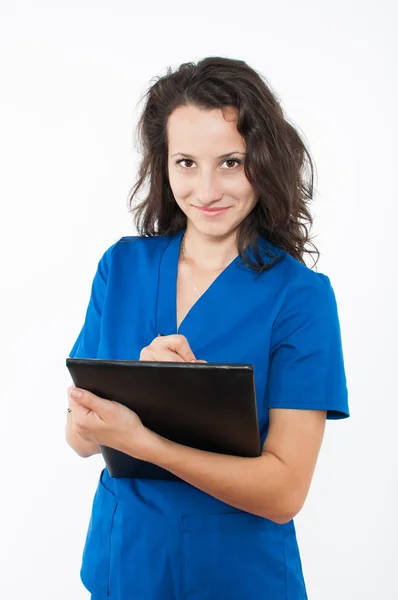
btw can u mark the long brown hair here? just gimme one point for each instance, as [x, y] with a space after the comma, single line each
[277, 163]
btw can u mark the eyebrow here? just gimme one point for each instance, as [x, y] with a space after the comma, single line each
[191, 157]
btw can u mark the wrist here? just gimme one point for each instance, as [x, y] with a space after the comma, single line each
[152, 447]
[145, 446]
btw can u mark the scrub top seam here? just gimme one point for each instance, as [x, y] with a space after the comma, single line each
[158, 281]
[284, 299]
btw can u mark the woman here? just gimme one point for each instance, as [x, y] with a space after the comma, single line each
[218, 270]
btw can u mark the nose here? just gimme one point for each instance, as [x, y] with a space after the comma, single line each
[208, 190]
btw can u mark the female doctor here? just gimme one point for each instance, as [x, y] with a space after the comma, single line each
[218, 270]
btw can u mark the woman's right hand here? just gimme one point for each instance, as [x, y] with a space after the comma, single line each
[169, 348]
[82, 446]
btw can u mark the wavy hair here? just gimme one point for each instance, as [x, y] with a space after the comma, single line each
[277, 163]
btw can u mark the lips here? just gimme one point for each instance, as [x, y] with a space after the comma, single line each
[212, 212]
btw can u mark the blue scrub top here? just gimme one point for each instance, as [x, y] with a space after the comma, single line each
[167, 540]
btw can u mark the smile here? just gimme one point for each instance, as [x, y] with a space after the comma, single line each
[212, 212]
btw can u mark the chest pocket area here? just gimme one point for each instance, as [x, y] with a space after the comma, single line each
[238, 556]
[95, 570]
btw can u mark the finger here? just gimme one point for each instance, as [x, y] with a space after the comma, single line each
[92, 402]
[69, 390]
[178, 343]
[77, 410]
[71, 400]
[167, 356]
[159, 355]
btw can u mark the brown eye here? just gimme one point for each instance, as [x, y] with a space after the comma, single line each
[235, 163]
[185, 160]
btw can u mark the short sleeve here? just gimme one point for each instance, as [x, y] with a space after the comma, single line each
[306, 369]
[87, 342]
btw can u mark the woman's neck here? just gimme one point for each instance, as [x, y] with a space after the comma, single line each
[208, 253]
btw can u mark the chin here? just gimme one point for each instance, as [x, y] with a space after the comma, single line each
[213, 229]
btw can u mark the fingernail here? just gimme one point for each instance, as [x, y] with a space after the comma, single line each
[76, 393]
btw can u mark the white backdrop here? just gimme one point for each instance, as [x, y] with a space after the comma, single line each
[71, 74]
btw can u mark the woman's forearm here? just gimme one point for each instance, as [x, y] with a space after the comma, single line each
[262, 485]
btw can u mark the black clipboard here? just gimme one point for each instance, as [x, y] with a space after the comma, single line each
[208, 406]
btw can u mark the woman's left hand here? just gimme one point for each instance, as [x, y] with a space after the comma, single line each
[109, 423]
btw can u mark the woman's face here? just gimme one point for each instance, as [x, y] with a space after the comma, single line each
[206, 154]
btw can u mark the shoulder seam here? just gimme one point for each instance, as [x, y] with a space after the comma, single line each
[286, 294]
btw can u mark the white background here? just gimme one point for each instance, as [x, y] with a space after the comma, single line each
[71, 74]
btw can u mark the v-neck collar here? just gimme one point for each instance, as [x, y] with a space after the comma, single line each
[218, 302]
[167, 293]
